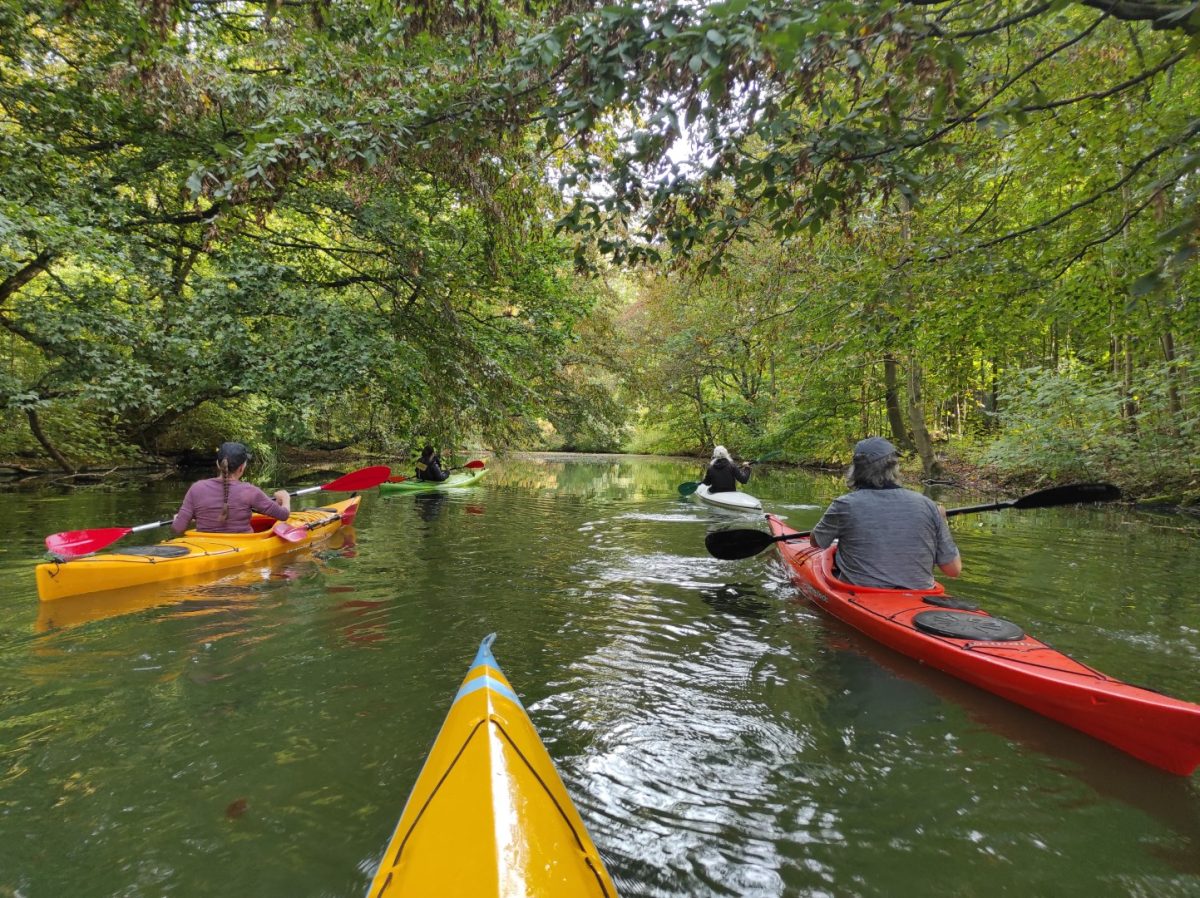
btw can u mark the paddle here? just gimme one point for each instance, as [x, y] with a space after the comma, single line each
[473, 465]
[686, 489]
[729, 545]
[73, 543]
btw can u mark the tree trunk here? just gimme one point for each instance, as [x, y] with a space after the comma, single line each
[1130, 405]
[891, 397]
[916, 419]
[24, 275]
[1174, 402]
[35, 427]
[706, 434]
[995, 387]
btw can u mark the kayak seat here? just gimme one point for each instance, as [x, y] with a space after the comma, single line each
[950, 602]
[961, 625]
[154, 551]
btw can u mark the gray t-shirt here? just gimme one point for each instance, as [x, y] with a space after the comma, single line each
[890, 538]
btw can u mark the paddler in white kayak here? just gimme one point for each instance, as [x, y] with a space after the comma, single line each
[723, 473]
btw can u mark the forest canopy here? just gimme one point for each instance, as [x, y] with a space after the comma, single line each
[968, 225]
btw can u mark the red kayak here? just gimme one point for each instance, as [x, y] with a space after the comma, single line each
[994, 654]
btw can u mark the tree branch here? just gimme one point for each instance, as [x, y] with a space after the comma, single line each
[1161, 16]
[23, 276]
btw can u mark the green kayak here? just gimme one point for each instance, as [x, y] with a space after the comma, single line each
[412, 485]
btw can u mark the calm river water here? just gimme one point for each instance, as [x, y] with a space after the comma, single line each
[259, 735]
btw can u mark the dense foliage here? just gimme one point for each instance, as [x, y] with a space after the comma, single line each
[222, 218]
[960, 221]
[942, 222]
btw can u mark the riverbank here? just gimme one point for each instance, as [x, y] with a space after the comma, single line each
[957, 471]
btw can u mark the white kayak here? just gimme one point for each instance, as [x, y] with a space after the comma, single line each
[729, 501]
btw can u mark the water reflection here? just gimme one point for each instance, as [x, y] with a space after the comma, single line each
[886, 692]
[719, 738]
[429, 505]
[738, 599]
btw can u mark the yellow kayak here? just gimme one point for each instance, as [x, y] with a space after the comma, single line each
[198, 595]
[489, 815]
[194, 555]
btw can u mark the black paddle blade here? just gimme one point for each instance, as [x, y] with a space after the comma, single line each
[729, 545]
[1070, 494]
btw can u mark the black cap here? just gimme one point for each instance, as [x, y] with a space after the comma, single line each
[234, 454]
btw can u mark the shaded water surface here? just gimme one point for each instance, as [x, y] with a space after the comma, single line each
[258, 735]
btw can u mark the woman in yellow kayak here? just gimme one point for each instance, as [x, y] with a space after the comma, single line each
[224, 504]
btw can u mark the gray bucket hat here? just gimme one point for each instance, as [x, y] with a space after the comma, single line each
[873, 448]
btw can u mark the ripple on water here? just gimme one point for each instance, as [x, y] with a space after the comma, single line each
[720, 736]
[685, 756]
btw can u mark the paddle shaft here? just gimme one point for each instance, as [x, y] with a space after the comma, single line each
[950, 512]
[83, 542]
[734, 544]
[150, 526]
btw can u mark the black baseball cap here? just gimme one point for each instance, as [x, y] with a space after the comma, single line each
[235, 454]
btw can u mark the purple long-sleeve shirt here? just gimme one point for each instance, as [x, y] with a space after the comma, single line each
[205, 499]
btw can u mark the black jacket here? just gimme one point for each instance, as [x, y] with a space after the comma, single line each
[723, 476]
[431, 469]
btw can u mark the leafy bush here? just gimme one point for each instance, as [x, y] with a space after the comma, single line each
[1057, 424]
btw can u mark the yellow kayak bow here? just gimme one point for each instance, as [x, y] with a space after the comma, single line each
[489, 815]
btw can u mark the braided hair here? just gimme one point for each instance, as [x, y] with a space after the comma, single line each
[230, 457]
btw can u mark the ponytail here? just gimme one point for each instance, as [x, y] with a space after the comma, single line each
[230, 457]
[223, 467]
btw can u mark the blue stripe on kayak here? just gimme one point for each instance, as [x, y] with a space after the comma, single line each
[486, 682]
[484, 655]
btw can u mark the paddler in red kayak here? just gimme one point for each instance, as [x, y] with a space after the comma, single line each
[224, 504]
[723, 474]
[887, 536]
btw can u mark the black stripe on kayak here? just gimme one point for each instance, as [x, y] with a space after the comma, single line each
[521, 755]
[550, 794]
[950, 602]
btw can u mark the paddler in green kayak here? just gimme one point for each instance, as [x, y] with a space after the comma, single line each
[225, 503]
[887, 536]
[429, 465]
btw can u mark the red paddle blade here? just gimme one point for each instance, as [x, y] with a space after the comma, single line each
[400, 478]
[477, 464]
[286, 531]
[73, 543]
[362, 479]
